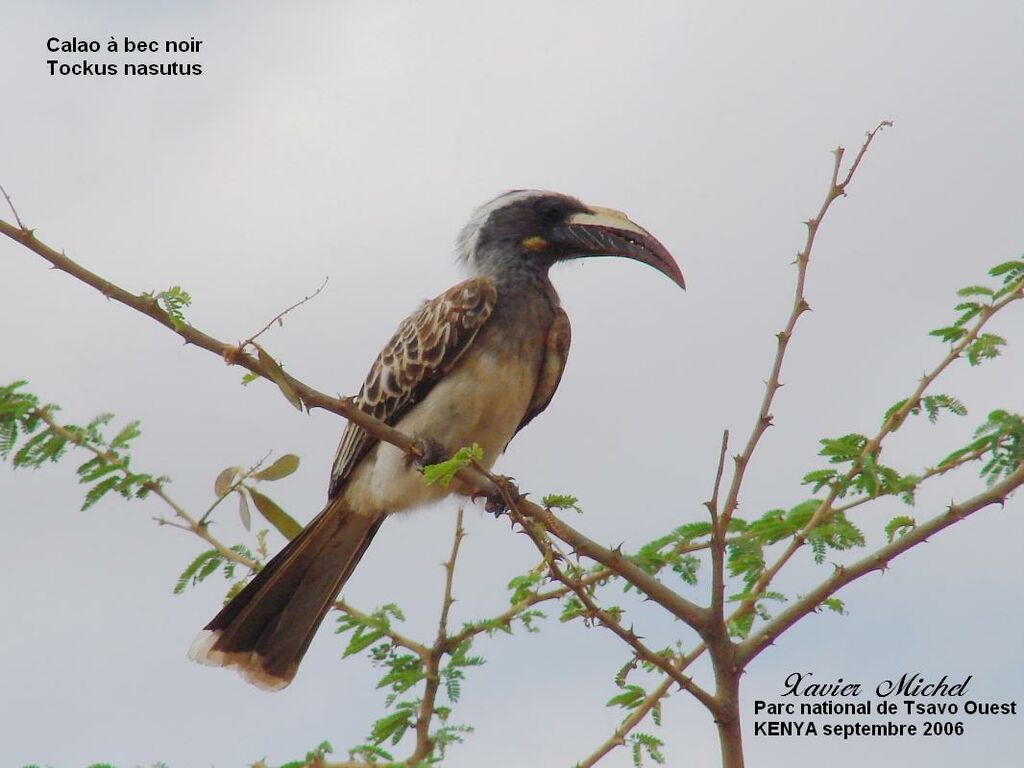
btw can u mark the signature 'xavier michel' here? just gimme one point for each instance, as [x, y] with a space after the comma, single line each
[474, 365]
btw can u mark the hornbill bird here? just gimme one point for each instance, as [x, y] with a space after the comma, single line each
[474, 365]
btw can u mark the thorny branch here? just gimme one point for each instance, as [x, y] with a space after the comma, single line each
[189, 523]
[876, 561]
[266, 367]
[836, 190]
[871, 447]
[424, 743]
[729, 658]
[604, 618]
[262, 365]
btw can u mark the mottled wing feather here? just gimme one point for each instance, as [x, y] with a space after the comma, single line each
[425, 347]
[555, 356]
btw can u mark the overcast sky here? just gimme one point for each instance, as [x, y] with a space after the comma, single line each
[352, 141]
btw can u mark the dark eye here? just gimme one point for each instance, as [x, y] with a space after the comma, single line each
[550, 212]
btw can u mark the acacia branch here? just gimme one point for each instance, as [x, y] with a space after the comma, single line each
[10, 203]
[687, 611]
[505, 618]
[717, 541]
[825, 509]
[641, 711]
[876, 561]
[836, 190]
[603, 617]
[479, 480]
[190, 524]
[432, 663]
[396, 638]
[232, 354]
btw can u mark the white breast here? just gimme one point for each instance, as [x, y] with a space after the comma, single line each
[482, 401]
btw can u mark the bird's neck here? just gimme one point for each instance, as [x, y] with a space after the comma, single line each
[526, 285]
[514, 275]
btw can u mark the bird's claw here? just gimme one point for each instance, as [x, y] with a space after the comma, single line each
[497, 504]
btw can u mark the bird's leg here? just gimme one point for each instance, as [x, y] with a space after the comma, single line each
[429, 451]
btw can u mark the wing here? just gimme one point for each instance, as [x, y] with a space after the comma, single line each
[556, 354]
[424, 348]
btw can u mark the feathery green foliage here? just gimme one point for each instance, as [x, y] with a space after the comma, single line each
[31, 438]
[444, 471]
[173, 302]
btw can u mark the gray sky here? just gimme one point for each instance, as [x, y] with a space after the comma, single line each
[352, 140]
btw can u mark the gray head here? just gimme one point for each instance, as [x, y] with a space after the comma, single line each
[526, 231]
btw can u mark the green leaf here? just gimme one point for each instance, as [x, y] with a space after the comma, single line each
[371, 752]
[838, 533]
[820, 478]
[274, 515]
[243, 511]
[834, 604]
[524, 586]
[99, 490]
[561, 501]
[572, 608]
[392, 727]
[975, 290]
[1002, 435]
[949, 334]
[277, 375]
[630, 698]
[281, 468]
[985, 347]
[898, 527]
[746, 559]
[690, 531]
[128, 433]
[934, 404]
[172, 302]
[226, 478]
[644, 743]
[443, 472]
[843, 449]
[741, 626]
[198, 569]
[362, 639]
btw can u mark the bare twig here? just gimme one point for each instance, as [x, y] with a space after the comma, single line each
[717, 541]
[280, 316]
[17, 218]
[424, 743]
[836, 190]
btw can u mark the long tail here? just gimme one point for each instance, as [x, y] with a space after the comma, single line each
[265, 630]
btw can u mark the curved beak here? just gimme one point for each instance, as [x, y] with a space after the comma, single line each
[607, 232]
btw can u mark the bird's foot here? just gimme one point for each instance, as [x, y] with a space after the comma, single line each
[498, 503]
[430, 452]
